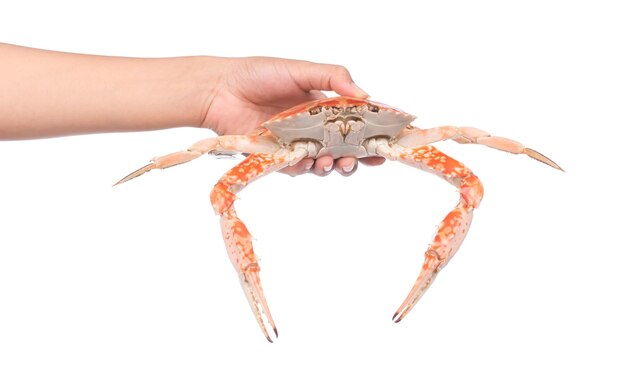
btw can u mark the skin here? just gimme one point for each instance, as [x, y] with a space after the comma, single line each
[59, 94]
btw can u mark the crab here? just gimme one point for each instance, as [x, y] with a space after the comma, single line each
[341, 127]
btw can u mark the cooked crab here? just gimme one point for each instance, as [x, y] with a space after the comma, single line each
[341, 127]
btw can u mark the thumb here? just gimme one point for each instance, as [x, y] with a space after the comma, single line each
[325, 77]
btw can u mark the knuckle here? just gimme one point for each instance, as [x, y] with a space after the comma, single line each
[340, 70]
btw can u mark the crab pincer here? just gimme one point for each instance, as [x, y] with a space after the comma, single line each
[239, 246]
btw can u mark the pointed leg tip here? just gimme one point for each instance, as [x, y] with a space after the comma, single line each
[269, 339]
[396, 317]
[123, 180]
[542, 158]
[276, 332]
[552, 164]
[139, 172]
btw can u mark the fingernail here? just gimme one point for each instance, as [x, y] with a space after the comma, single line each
[308, 164]
[359, 91]
[328, 167]
[348, 168]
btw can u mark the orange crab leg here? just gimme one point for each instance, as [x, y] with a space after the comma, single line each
[236, 235]
[214, 145]
[469, 135]
[453, 228]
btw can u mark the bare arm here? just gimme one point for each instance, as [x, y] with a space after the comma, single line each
[46, 93]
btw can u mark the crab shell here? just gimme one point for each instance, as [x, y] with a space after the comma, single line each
[339, 124]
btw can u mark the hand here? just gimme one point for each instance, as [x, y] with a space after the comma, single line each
[250, 91]
[227, 95]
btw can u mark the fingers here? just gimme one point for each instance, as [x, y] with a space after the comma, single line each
[302, 167]
[316, 95]
[325, 77]
[323, 166]
[346, 166]
[372, 161]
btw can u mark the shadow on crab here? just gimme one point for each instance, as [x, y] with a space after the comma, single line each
[341, 127]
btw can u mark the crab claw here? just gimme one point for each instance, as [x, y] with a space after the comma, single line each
[431, 267]
[251, 284]
[239, 245]
[450, 235]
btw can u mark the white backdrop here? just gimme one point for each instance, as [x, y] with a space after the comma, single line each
[136, 278]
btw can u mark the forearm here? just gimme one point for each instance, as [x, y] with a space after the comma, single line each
[44, 93]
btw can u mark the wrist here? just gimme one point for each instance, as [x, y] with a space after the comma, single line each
[203, 76]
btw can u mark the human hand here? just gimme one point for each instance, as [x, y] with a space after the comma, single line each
[227, 95]
[251, 90]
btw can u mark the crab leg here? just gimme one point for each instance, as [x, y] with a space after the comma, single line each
[469, 135]
[453, 229]
[214, 145]
[236, 236]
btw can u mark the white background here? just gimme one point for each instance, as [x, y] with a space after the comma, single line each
[136, 279]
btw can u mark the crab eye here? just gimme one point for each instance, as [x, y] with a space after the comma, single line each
[373, 108]
[315, 110]
[336, 110]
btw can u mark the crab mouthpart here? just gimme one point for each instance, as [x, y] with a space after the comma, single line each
[344, 128]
